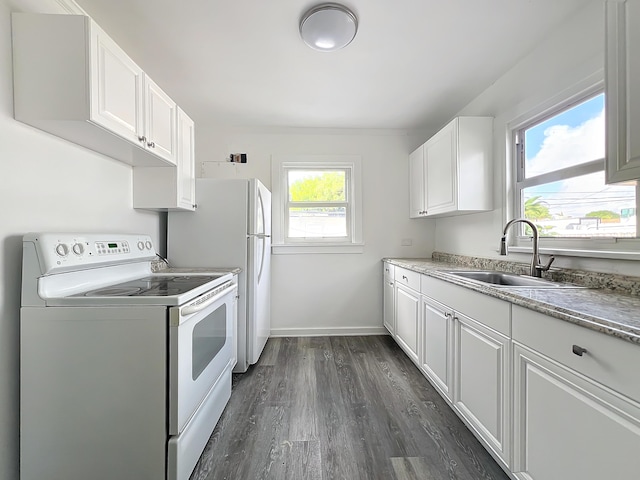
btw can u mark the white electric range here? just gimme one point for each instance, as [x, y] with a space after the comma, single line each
[124, 372]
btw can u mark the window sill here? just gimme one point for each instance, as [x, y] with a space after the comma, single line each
[307, 248]
[568, 252]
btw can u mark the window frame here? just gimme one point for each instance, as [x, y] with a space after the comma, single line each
[281, 242]
[596, 247]
[348, 174]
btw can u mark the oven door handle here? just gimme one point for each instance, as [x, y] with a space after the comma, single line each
[198, 307]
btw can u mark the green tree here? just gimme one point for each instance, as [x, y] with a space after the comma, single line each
[603, 214]
[535, 209]
[326, 187]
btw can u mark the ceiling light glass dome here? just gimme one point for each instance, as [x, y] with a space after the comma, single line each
[328, 27]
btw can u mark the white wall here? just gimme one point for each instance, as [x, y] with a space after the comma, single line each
[45, 184]
[565, 60]
[331, 293]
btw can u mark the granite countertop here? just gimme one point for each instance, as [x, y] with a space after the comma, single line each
[605, 310]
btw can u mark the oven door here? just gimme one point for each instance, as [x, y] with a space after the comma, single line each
[201, 343]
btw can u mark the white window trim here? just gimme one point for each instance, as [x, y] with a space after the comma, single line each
[608, 248]
[279, 165]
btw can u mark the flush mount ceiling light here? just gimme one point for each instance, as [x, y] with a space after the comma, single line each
[328, 27]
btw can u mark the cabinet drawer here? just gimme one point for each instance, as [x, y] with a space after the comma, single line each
[489, 311]
[407, 277]
[388, 271]
[608, 360]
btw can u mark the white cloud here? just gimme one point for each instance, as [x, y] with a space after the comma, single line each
[564, 146]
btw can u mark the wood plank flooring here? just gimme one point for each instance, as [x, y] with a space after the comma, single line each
[353, 408]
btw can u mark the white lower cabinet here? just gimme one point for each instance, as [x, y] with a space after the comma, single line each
[407, 318]
[481, 392]
[575, 401]
[567, 426]
[388, 299]
[436, 357]
[550, 400]
[466, 353]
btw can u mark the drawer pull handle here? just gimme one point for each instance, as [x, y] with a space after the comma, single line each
[404, 278]
[578, 350]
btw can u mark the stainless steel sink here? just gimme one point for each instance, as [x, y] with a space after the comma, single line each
[503, 279]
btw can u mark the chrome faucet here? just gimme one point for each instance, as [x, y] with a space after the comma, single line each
[536, 266]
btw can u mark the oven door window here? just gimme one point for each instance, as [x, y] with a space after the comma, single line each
[208, 338]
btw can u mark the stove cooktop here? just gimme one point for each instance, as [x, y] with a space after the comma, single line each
[152, 286]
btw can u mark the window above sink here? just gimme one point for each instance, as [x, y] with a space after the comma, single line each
[558, 160]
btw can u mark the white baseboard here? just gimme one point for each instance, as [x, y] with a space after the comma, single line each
[327, 331]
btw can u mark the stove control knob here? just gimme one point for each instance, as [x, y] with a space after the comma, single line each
[78, 249]
[140, 245]
[62, 249]
[148, 245]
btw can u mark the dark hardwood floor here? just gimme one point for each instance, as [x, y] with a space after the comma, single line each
[352, 408]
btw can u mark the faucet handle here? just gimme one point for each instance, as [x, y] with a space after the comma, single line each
[544, 268]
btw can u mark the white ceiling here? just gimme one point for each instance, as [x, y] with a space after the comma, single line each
[413, 63]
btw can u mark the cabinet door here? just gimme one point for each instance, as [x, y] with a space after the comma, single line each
[417, 193]
[623, 90]
[440, 170]
[116, 88]
[566, 426]
[407, 318]
[186, 161]
[160, 121]
[437, 344]
[388, 305]
[481, 393]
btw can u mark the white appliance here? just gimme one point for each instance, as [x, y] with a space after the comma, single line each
[124, 373]
[231, 227]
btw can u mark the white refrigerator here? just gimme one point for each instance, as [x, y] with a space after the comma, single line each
[231, 227]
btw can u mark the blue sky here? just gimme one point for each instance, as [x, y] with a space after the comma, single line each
[534, 137]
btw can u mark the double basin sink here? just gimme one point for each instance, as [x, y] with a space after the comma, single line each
[503, 279]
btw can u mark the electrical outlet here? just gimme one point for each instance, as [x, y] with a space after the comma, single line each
[406, 242]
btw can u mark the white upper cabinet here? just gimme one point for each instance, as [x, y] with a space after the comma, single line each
[160, 121]
[454, 176]
[72, 80]
[416, 183]
[116, 86]
[623, 90]
[186, 181]
[164, 189]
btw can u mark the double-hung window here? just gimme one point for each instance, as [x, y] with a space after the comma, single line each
[317, 204]
[560, 181]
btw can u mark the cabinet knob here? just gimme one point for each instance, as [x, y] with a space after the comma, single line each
[151, 144]
[578, 350]
[142, 139]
